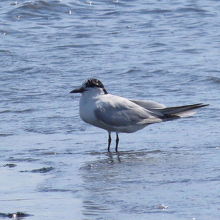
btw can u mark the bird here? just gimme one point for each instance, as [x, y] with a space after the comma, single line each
[121, 115]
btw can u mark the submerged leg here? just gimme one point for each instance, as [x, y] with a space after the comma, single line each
[117, 141]
[109, 141]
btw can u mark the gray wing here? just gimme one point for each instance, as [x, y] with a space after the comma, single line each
[123, 115]
[148, 104]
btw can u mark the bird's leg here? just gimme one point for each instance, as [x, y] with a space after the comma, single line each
[109, 141]
[117, 141]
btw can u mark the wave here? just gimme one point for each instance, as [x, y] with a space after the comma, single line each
[214, 79]
[38, 10]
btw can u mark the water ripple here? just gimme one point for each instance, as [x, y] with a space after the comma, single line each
[38, 10]
[165, 51]
[215, 80]
[192, 10]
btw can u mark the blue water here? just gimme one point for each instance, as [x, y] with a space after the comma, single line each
[167, 51]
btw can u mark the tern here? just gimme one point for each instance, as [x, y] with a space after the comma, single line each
[120, 115]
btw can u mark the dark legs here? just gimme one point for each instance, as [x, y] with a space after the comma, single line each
[117, 141]
[110, 140]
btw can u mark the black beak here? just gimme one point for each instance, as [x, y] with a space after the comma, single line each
[80, 90]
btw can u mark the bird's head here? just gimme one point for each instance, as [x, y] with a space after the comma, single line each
[91, 85]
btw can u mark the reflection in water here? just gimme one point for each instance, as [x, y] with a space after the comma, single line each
[115, 183]
[112, 159]
[93, 208]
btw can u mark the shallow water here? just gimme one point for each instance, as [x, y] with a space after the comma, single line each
[54, 166]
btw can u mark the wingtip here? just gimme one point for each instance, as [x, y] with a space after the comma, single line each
[202, 105]
[198, 105]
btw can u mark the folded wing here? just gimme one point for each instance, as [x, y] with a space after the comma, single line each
[124, 113]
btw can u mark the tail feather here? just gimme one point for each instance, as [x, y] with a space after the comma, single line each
[171, 113]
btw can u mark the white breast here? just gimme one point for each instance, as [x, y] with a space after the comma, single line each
[86, 110]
